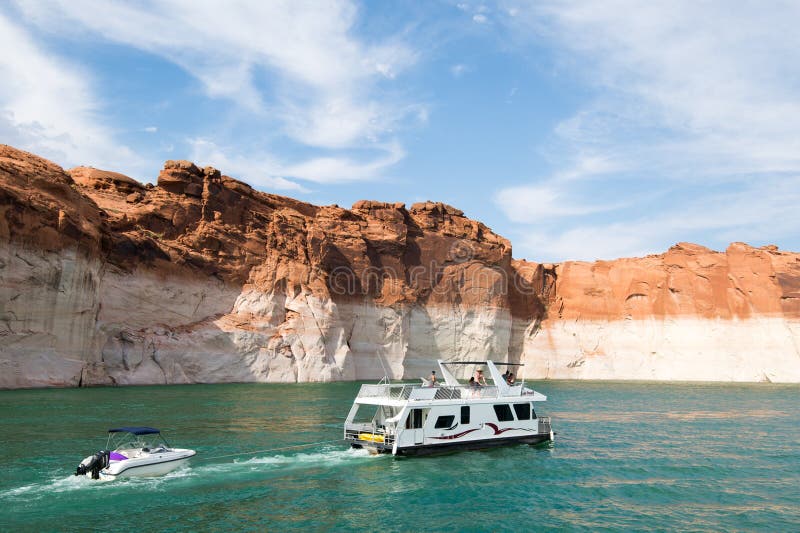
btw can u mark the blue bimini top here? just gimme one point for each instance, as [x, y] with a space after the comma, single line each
[136, 430]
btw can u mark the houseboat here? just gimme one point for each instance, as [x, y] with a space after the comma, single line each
[440, 416]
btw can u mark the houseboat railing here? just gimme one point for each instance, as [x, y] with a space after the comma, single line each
[368, 433]
[403, 392]
[544, 425]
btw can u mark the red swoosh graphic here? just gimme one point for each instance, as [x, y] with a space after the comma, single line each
[457, 435]
[498, 431]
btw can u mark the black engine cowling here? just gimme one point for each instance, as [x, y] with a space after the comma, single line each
[94, 464]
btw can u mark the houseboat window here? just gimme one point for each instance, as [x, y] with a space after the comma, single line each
[465, 414]
[444, 422]
[414, 420]
[503, 412]
[523, 411]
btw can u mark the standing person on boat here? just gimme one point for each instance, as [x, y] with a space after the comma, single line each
[432, 379]
[479, 379]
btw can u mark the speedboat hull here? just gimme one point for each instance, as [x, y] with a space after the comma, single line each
[147, 466]
[134, 451]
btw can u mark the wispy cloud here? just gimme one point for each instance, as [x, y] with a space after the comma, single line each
[325, 84]
[48, 107]
[459, 70]
[689, 98]
[480, 12]
[558, 195]
[265, 170]
[338, 169]
[257, 169]
[741, 215]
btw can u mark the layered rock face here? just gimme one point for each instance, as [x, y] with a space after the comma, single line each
[200, 278]
[689, 314]
[203, 279]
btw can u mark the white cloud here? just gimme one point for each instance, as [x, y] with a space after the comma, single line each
[530, 204]
[339, 169]
[258, 170]
[324, 79]
[150, 129]
[48, 107]
[586, 243]
[335, 122]
[264, 170]
[729, 216]
[558, 196]
[459, 70]
[480, 18]
[690, 98]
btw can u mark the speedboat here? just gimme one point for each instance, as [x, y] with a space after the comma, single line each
[133, 451]
[431, 417]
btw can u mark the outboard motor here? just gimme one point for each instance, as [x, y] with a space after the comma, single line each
[94, 464]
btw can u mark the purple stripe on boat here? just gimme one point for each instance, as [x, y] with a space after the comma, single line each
[114, 456]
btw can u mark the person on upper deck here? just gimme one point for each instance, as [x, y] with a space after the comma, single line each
[510, 378]
[432, 379]
[479, 379]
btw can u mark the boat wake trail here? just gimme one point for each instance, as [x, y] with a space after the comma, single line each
[326, 458]
[64, 484]
[330, 457]
[215, 472]
[72, 483]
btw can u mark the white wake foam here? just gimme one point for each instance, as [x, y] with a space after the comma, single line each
[327, 458]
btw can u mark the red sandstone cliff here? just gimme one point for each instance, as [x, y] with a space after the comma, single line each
[687, 280]
[202, 278]
[690, 314]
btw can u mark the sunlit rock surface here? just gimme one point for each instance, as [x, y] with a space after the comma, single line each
[203, 279]
[200, 278]
[688, 314]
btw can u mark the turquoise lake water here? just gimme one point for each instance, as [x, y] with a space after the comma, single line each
[627, 456]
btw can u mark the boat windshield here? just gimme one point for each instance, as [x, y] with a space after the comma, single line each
[123, 440]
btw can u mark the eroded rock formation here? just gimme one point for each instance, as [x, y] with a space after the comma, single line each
[201, 278]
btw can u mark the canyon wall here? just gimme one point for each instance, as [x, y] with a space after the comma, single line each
[688, 314]
[201, 278]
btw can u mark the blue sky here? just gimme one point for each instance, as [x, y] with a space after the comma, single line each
[577, 130]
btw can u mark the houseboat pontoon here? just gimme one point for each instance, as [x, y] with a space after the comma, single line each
[416, 419]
